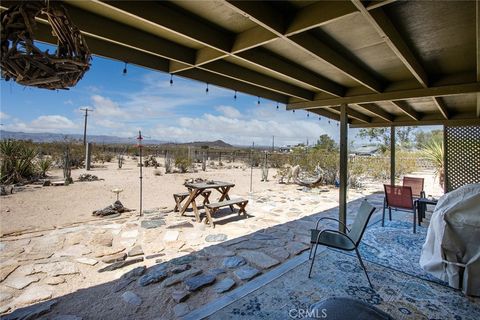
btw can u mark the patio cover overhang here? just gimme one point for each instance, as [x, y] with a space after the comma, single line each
[391, 62]
[364, 63]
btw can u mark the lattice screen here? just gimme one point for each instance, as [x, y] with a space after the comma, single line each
[462, 147]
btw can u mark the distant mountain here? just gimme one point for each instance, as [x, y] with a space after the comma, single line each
[211, 144]
[52, 137]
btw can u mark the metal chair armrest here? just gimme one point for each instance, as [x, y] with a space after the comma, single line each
[328, 218]
[335, 231]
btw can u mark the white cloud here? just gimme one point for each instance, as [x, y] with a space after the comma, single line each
[4, 116]
[106, 108]
[45, 123]
[229, 112]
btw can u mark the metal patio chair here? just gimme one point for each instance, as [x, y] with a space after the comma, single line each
[348, 241]
[399, 198]
[416, 184]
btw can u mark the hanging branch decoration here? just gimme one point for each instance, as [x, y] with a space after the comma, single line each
[22, 61]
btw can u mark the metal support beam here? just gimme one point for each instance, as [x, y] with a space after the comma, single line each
[440, 91]
[342, 212]
[392, 155]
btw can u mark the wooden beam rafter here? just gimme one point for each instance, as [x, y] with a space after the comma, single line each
[439, 91]
[441, 106]
[379, 20]
[378, 111]
[407, 109]
[354, 114]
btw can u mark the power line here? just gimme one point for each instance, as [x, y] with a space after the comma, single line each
[85, 125]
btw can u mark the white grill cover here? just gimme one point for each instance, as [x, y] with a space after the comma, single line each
[451, 251]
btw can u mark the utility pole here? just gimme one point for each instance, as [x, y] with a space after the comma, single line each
[273, 143]
[85, 125]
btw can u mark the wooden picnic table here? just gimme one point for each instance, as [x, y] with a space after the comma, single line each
[195, 189]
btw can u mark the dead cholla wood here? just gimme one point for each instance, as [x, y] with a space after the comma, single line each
[25, 63]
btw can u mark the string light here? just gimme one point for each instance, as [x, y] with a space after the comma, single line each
[171, 79]
[235, 95]
[206, 90]
[308, 114]
[277, 105]
[328, 121]
[125, 69]
[293, 110]
[258, 101]
[319, 118]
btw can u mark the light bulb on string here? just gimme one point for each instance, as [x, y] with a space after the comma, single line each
[277, 105]
[206, 90]
[258, 101]
[308, 114]
[328, 121]
[319, 118]
[235, 95]
[171, 79]
[125, 69]
[293, 110]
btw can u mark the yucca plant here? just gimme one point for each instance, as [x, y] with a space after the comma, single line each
[17, 161]
[44, 164]
[433, 152]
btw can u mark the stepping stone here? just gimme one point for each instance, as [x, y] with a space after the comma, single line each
[135, 251]
[54, 280]
[131, 298]
[181, 268]
[115, 258]
[279, 253]
[171, 235]
[200, 281]
[295, 248]
[183, 260]
[130, 234]
[121, 264]
[76, 250]
[6, 270]
[180, 295]
[34, 294]
[263, 236]
[88, 261]
[156, 275]
[32, 312]
[108, 251]
[5, 296]
[55, 269]
[216, 237]
[102, 239]
[218, 251]
[224, 285]
[233, 262]
[20, 282]
[156, 255]
[246, 273]
[251, 245]
[181, 309]
[152, 224]
[235, 241]
[170, 281]
[134, 273]
[303, 239]
[217, 271]
[259, 259]
[181, 224]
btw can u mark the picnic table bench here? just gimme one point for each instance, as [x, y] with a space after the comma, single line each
[211, 208]
[179, 197]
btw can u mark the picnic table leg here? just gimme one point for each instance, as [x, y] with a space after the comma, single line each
[191, 199]
[209, 219]
[224, 192]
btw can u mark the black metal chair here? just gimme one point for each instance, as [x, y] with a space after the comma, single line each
[345, 241]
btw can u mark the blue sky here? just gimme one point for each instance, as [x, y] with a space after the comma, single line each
[144, 99]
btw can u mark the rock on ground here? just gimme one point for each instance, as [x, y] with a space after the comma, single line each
[224, 285]
[259, 259]
[32, 312]
[34, 294]
[131, 298]
[246, 273]
[233, 262]
[200, 281]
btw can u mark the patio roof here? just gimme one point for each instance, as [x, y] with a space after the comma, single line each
[392, 62]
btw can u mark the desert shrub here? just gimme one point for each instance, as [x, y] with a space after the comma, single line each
[157, 172]
[44, 164]
[182, 163]
[17, 161]
[433, 152]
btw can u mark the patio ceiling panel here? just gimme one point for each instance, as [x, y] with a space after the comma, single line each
[393, 62]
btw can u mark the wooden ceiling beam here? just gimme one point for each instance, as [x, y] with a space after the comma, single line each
[439, 91]
[354, 114]
[271, 61]
[441, 106]
[162, 15]
[392, 37]
[374, 4]
[215, 79]
[378, 111]
[237, 72]
[407, 109]
[464, 119]
[264, 15]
